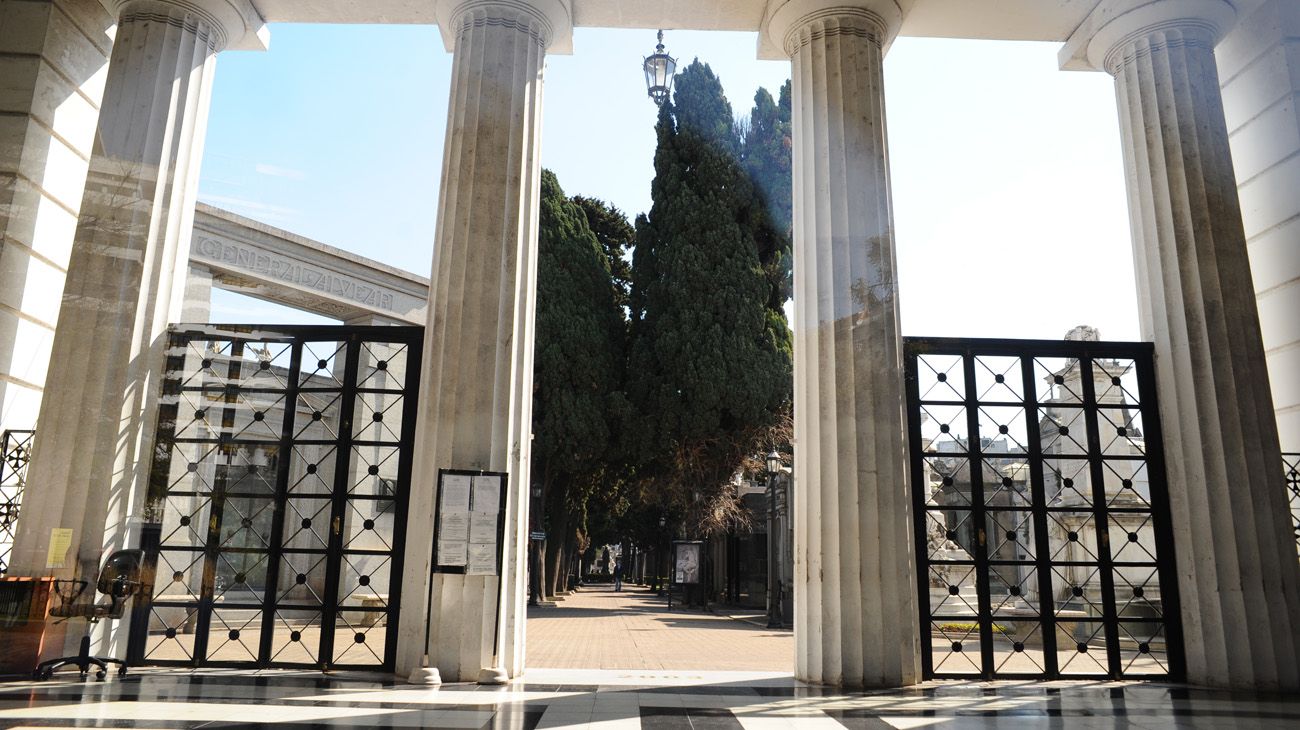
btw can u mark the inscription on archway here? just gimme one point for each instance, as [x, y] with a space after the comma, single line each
[265, 264]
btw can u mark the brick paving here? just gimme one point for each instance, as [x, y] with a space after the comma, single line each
[597, 628]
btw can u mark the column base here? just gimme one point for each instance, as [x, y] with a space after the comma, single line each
[424, 675]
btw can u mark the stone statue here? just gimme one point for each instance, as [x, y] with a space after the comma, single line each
[941, 548]
[1083, 333]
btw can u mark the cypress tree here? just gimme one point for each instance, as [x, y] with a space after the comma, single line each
[710, 361]
[615, 236]
[767, 160]
[578, 365]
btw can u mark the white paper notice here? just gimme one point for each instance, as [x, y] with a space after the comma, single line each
[451, 553]
[60, 541]
[454, 527]
[483, 528]
[487, 494]
[455, 493]
[482, 560]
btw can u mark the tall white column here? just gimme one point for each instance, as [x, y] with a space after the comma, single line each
[1261, 88]
[53, 60]
[1238, 576]
[126, 280]
[855, 608]
[476, 388]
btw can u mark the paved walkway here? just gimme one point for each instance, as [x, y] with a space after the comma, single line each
[597, 628]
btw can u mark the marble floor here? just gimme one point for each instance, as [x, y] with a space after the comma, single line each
[617, 700]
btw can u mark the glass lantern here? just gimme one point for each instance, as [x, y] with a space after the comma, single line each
[659, 70]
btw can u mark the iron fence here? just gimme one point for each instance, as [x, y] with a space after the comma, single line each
[16, 453]
[1042, 520]
[1291, 470]
[280, 474]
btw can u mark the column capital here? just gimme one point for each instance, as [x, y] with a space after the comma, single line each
[551, 21]
[1098, 43]
[233, 24]
[784, 19]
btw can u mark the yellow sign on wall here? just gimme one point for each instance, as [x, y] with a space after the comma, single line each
[60, 541]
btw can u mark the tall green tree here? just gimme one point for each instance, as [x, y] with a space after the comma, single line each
[709, 369]
[578, 366]
[615, 236]
[767, 160]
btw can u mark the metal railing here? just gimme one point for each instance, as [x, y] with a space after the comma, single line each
[1291, 473]
[1043, 531]
[281, 466]
[15, 453]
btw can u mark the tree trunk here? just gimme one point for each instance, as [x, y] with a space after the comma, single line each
[537, 523]
[555, 544]
[557, 514]
[562, 579]
[572, 559]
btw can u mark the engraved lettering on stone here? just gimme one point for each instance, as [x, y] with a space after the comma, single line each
[269, 265]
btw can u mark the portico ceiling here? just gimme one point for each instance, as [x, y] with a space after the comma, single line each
[1016, 20]
[1043, 20]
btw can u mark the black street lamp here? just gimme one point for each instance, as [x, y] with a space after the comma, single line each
[774, 463]
[659, 68]
[774, 466]
[663, 557]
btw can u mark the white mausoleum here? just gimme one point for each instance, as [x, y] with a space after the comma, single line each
[103, 111]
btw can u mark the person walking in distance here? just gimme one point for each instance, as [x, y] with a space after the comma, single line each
[618, 574]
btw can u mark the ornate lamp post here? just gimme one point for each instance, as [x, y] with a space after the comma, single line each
[774, 465]
[659, 68]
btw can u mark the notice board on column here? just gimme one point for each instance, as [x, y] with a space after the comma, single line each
[469, 522]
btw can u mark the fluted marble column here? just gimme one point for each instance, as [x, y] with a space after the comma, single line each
[1238, 576]
[126, 280]
[855, 610]
[476, 388]
[1264, 125]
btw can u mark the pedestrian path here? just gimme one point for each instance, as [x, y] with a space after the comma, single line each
[599, 628]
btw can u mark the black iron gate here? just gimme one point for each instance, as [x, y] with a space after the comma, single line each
[278, 496]
[1291, 471]
[15, 454]
[1042, 519]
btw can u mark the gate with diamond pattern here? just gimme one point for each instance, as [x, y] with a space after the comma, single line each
[277, 497]
[1043, 538]
[15, 454]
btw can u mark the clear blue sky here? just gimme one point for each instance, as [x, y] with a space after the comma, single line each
[1007, 177]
